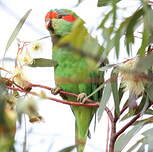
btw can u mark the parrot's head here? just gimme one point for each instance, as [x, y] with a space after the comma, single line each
[60, 21]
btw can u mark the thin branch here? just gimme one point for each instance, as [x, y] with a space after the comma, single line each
[93, 104]
[62, 92]
[127, 125]
[122, 110]
[108, 134]
[148, 1]
[109, 113]
[112, 137]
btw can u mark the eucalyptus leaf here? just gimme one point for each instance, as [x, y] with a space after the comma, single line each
[41, 62]
[79, 1]
[128, 115]
[107, 67]
[145, 121]
[17, 30]
[106, 17]
[105, 2]
[144, 63]
[123, 140]
[133, 147]
[96, 90]
[132, 25]
[149, 90]
[144, 42]
[148, 132]
[121, 91]
[105, 97]
[68, 149]
[114, 85]
[119, 33]
[148, 138]
[142, 103]
[149, 112]
[141, 148]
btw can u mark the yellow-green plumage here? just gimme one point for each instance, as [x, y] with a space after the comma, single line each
[74, 73]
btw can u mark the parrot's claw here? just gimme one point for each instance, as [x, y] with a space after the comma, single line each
[55, 91]
[82, 97]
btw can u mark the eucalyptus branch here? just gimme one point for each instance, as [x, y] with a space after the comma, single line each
[112, 137]
[93, 104]
[122, 111]
[127, 125]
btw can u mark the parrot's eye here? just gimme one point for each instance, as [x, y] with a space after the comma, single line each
[59, 16]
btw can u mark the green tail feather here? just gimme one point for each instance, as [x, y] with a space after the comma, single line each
[83, 116]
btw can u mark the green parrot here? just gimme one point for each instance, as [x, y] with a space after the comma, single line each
[75, 72]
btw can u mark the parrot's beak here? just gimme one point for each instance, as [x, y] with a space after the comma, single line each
[48, 24]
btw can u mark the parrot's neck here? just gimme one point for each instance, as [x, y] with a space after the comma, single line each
[55, 38]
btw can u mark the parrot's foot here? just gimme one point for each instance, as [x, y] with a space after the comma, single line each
[82, 97]
[55, 91]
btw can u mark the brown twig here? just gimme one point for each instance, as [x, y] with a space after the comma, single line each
[148, 1]
[112, 136]
[122, 110]
[127, 125]
[93, 104]
[108, 134]
[64, 93]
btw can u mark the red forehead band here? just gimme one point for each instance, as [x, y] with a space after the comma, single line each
[51, 15]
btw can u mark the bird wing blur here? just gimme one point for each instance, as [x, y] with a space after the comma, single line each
[74, 72]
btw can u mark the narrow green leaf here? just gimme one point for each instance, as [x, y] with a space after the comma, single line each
[96, 90]
[148, 138]
[148, 132]
[114, 85]
[121, 91]
[145, 121]
[105, 97]
[106, 17]
[149, 112]
[17, 30]
[128, 115]
[41, 62]
[105, 2]
[135, 145]
[133, 23]
[109, 66]
[68, 149]
[142, 103]
[148, 90]
[123, 140]
[114, 13]
[150, 145]
[144, 63]
[144, 42]
[142, 148]
[142, 108]
[118, 34]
